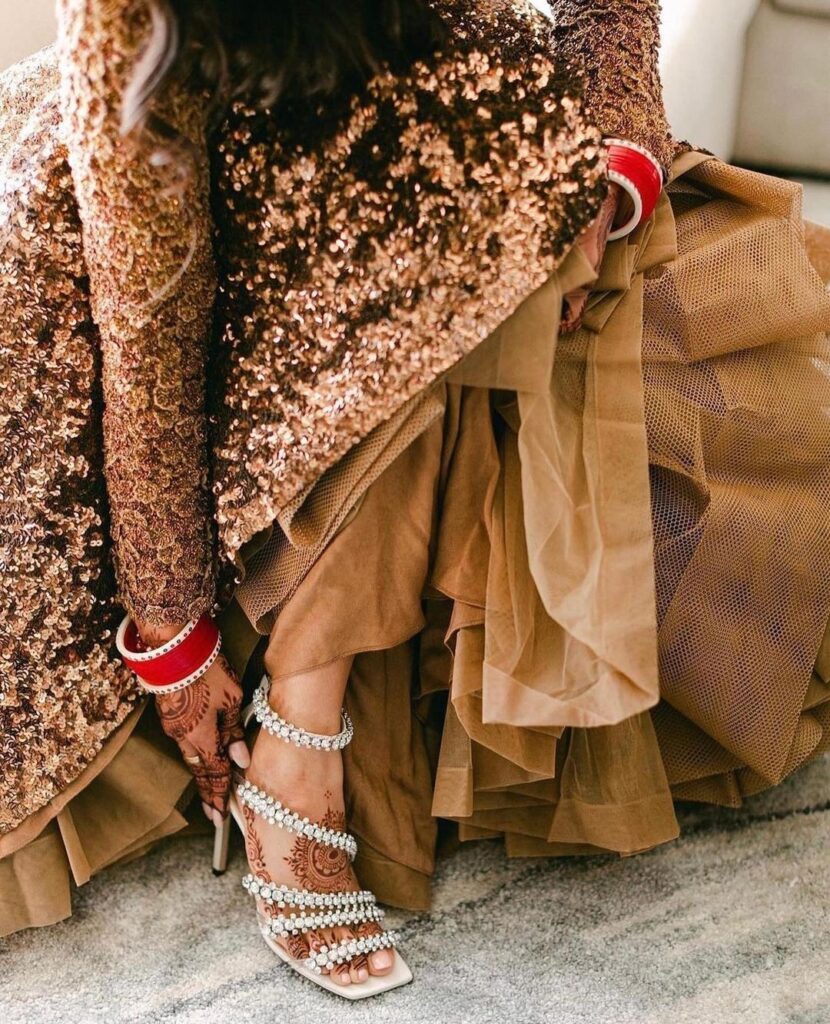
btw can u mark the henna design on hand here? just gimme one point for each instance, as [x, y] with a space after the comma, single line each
[213, 779]
[182, 711]
[230, 720]
[204, 718]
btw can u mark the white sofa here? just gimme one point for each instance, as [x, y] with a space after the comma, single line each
[784, 117]
[701, 65]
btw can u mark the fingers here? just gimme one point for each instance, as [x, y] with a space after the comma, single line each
[239, 754]
[213, 778]
[205, 720]
[212, 815]
[193, 759]
[212, 773]
[229, 719]
[231, 733]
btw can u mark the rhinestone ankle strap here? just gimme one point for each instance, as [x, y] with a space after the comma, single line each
[285, 896]
[275, 725]
[275, 813]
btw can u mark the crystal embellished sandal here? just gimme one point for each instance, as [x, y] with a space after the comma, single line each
[303, 910]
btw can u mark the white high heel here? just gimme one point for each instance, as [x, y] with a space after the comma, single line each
[305, 910]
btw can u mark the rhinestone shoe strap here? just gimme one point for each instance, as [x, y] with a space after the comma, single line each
[275, 725]
[293, 924]
[283, 896]
[275, 813]
[328, 956]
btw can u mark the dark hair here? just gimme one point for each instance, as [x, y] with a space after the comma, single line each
[266, 50]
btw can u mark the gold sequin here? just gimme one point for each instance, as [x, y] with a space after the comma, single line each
[614, 47]
[367, 245]
[61, 691]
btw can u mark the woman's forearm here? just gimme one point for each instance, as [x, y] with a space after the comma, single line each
[148, 253]
[615, 45]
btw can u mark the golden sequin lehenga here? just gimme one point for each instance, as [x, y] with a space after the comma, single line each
[591, 569]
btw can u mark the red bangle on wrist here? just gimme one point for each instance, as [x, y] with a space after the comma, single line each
[176, 664]
[636, 171]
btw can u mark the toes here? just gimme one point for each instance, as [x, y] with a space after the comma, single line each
[359, 967]
[340, 974]
[313, 941]
[299, 946]
[307, 944]
[380, 962]
[327, 937]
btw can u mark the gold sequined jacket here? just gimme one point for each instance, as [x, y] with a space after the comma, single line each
[181, 357]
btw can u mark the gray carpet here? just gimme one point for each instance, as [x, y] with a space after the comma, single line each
[729, 924]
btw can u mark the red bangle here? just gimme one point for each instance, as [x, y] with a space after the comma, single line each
[640, 175]
[176, 664]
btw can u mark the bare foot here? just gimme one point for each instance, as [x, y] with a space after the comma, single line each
[310, 783]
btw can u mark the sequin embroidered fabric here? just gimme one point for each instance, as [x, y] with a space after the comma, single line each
[367, 245]
[147, 251]
[61, 692]
[614, 47]
[471, 176]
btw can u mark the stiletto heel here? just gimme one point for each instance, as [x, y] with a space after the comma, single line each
[305, 909]
[221, 839]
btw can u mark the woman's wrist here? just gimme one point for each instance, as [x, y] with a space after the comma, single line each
[153, 635]
[169, 659]
[638, 173]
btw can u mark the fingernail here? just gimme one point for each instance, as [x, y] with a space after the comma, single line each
[208, 811]
[362, 974]
[383, 958]
[241, 757]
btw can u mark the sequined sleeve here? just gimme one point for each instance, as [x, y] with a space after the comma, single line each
[615, 45]
[147, 249]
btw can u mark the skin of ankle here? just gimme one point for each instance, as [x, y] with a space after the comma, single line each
[298, 773]
[314, 699]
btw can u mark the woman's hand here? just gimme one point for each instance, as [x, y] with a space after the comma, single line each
[204, 719]
[592, 242]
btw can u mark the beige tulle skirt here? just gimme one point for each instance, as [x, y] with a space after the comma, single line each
[583, 576]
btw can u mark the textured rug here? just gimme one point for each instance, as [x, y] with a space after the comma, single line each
[729, 924]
